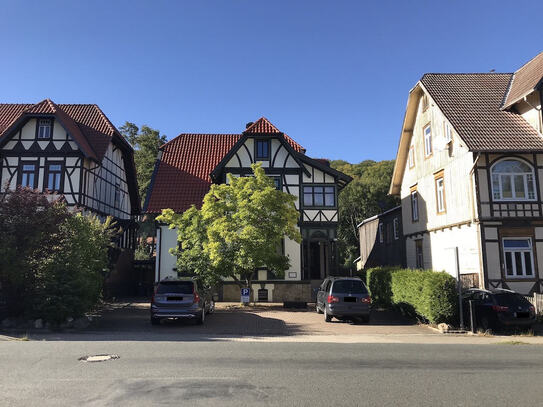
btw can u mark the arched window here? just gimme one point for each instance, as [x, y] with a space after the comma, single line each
[513, 180]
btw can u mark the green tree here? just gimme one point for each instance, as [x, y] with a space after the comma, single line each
[365, 196]
[146, 142]
[237, 231]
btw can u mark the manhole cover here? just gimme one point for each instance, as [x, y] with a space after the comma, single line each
[98, 358]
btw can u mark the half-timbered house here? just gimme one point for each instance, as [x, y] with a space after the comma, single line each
[469, 171]
[73, 151]
[190, 163]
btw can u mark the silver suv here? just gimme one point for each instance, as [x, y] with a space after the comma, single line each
[343, 298]
[180, 299]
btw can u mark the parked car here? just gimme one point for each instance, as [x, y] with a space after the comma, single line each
[498, 309]
[343, 298]
[181, 299]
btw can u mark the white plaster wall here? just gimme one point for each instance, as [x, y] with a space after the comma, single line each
[168, 262]
[292, 250]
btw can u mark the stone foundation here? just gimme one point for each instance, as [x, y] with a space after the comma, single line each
[277, 291]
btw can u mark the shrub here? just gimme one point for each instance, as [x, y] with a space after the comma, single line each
[427, 294]
[52, 261]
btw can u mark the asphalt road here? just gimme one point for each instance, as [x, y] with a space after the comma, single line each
[213, 373]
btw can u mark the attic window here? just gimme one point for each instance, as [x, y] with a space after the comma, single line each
[262, 149]
[44, 128]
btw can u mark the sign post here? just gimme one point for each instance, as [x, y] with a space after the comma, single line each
[245, 295]
[459, 283]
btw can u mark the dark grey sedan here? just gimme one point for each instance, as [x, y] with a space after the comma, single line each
[343, 298]
[180, 299]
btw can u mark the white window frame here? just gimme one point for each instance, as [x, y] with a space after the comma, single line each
[527, 177]
[44, 126]
[411, 156]
[381, 236]
[396, 227]
[440, 194]
[428, 148]
[414, 206]
[447, 132]
[522, 250]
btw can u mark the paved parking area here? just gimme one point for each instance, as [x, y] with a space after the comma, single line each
[268, 319]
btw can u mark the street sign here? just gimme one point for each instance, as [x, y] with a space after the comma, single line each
[245, 295]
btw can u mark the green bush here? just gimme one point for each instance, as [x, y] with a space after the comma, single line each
[52, 261]
[427, 294]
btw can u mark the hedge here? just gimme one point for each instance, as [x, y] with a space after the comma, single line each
[427, 294]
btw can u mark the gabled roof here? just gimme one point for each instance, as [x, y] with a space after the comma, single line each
[87, 125]
[183, 171]
[524, 81]
[471, 103]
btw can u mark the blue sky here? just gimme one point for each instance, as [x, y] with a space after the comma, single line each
[334, 75]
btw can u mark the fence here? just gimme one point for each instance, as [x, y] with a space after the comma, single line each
[537, 302]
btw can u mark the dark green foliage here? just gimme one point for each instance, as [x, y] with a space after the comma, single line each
[52, 261]
[365, 196]
[146, 142]
[427, 294]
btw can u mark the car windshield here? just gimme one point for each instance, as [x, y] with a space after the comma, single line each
[175, 287]
[510, 299]
[349, 286]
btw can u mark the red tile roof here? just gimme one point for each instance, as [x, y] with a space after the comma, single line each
[86, 123]
[525, 80]
[182, 177]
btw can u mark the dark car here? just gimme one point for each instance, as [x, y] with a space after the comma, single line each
[180, 299]
[343, 298]
[498, 309]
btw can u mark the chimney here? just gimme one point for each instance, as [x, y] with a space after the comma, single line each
[249, 125]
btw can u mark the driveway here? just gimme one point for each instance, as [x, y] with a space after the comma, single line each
[267, 319]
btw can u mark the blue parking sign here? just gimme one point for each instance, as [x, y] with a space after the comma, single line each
[245, 295]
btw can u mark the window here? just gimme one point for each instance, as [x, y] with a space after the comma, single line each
[518, 256]
[419, 257]
[396, 224]
[53, 177]
[411, 157]
[414, 206]
[44, 128]
[28, 175]
[117, 198]
[440, 195]
[424, 102]
[320, 196]
[262, 150]
[447, 132]
[427, 141]
[381, 233]
[513, 180]
[276, 182]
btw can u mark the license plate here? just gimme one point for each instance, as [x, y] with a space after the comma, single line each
[522, 314]
[175, 298]
[349, 299]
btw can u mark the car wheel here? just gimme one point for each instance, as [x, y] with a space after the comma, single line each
[319, 311]
[327, 317]
[485, 324]
[201, 318]
[155, 320]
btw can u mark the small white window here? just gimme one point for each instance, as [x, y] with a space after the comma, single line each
[424, 102]
[513, 180]
[396, 224]
[447, 132]
[381, 237]
[440, 195]
[44, 128]
[414, 206]
[518, 257]
[427, 140]
[411, 157]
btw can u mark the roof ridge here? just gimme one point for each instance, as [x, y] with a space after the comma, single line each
[531, 60]
[468, 73]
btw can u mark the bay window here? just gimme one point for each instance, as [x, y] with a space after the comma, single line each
[319, 196]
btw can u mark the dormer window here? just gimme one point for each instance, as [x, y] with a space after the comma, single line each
[262, 150]
[44, 128]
